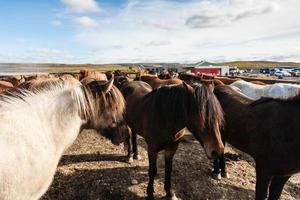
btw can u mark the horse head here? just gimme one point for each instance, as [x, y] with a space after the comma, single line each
[206, 118]
[105, 104]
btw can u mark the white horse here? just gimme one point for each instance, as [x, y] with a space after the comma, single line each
[37, 127]
[277, 90]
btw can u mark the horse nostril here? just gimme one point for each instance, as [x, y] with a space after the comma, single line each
[214, 154]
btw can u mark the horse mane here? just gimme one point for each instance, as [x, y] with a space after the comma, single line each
[99, 101]
[208, 106]
[23, 94]
[177, 103]
[169, 103]
[90, 104]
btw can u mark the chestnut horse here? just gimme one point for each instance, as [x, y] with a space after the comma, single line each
[266, 129]
[160, 116]
[156, 82]
[192, 78]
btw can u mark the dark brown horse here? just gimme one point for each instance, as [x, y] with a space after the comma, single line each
[161, 115]
[266, 129]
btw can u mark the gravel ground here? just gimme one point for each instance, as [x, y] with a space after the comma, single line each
[93, 168]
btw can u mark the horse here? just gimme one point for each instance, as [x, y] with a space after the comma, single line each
[37, 127]
[92, 74]
[258, 82]
[14, 80]
[156, 82]
[161, 115]
[268, 130]
[277, 90]
[4, 86]
[191, 78]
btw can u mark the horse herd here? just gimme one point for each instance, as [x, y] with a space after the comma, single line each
[41, 117]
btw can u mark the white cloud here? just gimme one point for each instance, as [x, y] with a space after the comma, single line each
[179, 31]
[56, 23]
[86, 21]
[158, 31]
[223, 13]
[81, 6]
[38, 55]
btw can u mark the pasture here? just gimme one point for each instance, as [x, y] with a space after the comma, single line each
[93, 168]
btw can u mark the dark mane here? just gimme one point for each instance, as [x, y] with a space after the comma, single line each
[176, 103]
[169, 103]
[208, 106]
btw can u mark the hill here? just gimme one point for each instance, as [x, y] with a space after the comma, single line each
[259, 64]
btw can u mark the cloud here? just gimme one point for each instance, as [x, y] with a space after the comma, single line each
[37, 55]
[56, 23]
[81, 6]
[158, 43]
[86, 21]
[223, 14]
[47, 54]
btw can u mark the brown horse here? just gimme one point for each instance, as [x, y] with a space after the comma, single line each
[15, 80]
[258, 82]
[266, 129]
[156, 82]
[191, 78]
[160, 116]
[4, 86]
[92, 74]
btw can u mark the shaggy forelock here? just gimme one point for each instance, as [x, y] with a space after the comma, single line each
[208, 106]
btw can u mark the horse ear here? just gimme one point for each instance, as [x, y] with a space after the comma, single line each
[109, 84]
[211, 86]
[185, 85]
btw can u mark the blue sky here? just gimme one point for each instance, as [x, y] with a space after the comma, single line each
[120, 31]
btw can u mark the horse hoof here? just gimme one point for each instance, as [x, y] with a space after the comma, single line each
[138, 157]
[172, 198]
[150, 198]
[225, 175]
[130, 160]
[216, 176]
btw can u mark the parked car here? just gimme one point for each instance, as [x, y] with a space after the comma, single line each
[282, 73]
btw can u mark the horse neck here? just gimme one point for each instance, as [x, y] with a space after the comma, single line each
[60, 115]
[152, 80]
[238, 129]
[69, 120]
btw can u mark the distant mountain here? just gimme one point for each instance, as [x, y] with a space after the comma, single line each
[259, 64]
[246, 64]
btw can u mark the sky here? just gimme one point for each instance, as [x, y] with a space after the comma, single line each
[123, 31]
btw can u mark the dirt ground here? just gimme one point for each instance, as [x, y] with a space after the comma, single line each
[93, 168]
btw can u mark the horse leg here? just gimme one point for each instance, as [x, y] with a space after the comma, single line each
[276, 187]
[169, 154]
[152, 156]
[224, 173]
[262, 184]
[136, 155]
[216, 171]
[129, 149]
